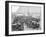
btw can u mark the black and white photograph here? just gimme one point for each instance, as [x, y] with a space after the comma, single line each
[25, 18]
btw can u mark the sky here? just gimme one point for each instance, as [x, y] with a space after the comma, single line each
[26, 10]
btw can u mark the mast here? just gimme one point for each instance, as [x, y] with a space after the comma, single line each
[28, 12]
